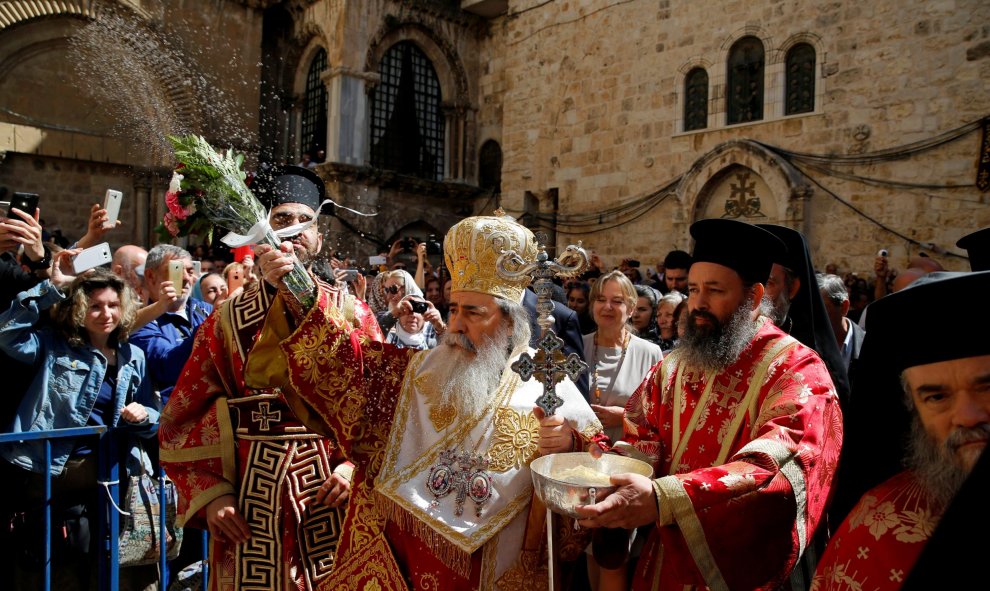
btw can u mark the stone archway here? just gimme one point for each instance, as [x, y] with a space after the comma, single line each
[745, 180]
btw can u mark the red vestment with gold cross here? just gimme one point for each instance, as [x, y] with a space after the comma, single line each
[377, 401]
[228, 429]
[745, 459]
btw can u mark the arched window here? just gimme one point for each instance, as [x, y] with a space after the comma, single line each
[745, 81]
[314, 115]
[490, 167]
[407, 125]
[800, 93]
[696, 99]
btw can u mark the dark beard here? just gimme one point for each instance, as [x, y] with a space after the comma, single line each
[716, 346]
[937, 467]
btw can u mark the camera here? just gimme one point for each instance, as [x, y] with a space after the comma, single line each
[419, 307]
[408, 243]
[433, 245]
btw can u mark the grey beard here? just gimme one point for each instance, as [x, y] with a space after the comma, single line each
[937, 467]
[720, 345]
[467, 382]
[779, 306]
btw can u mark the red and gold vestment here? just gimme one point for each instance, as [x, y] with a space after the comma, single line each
[228, 429]
[745, 459]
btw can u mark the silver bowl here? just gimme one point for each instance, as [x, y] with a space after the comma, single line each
[565, 495]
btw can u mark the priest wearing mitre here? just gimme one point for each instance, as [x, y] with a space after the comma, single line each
[442, 439]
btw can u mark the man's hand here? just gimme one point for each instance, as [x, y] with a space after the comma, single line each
[274, 264]
[555, 433]
[633, 504]
[225, 522]
[880, 267]
[610, 416]
[95, 230]
[23, 229]
[167, 296]
[432, 315]
[134, 412]
[334, 492]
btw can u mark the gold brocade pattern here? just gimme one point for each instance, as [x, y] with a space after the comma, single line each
[515, 440]
[529, 572]
[442, 415]
[472, 247]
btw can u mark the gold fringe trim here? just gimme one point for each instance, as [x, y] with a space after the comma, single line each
[446, 552]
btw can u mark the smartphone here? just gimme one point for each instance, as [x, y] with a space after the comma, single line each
[176, 269]
[26, 202]
[349, 275]
[376, 261]
[111, 203]
[197, 269]
[92, 257]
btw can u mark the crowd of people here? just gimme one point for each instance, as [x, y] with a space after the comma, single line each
[376, 434]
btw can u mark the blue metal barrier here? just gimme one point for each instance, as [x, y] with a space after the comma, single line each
[107, 516]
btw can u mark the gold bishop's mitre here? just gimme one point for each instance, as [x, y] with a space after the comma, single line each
[472, 246]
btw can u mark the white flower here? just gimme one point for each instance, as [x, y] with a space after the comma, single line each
[175, 185]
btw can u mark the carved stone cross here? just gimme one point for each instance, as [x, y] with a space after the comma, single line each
[549, 364]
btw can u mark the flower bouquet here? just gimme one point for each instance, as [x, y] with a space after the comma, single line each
[208, 188]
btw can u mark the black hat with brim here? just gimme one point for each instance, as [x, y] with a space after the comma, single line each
[742, 247]
[290, 184]
[977, 244]
[794, 246]
[892, 336]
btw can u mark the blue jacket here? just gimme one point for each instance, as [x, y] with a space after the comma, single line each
[167, 344]
[67, 382]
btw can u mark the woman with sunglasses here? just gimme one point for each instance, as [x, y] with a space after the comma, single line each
[397, 285]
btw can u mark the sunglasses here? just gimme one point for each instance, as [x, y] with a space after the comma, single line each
[393, 289]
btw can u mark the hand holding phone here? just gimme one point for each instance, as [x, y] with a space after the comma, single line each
[92, 257]
[26, 202]
[347, 275]
[176, 270]
[111, 203]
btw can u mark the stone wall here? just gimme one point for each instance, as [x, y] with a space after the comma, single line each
[90, 90]
[589, 97]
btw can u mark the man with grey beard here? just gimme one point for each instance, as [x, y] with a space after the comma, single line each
[742, 425]
[442, 439]
[943, 402]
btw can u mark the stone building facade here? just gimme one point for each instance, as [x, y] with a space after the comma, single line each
[614, 122]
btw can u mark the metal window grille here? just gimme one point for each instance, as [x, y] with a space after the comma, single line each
[314, 117]
[800, 85]
[407, 124]
[696, 99]
[745, 81]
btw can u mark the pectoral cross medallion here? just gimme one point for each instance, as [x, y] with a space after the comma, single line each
[464, 474]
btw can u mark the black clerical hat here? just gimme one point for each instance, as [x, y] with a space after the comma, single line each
[892, 335]
[794, 246]
[745, 248]
[290, 184]
[977, 244]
